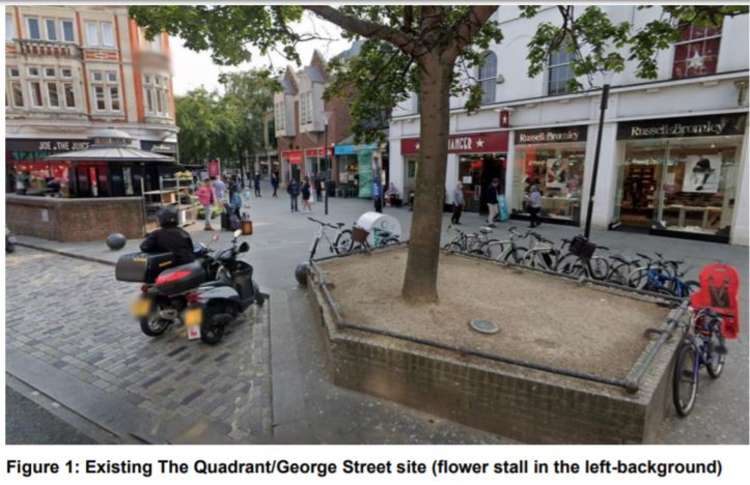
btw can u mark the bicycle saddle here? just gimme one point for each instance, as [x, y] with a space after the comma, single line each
[340, 224]
[485, 230]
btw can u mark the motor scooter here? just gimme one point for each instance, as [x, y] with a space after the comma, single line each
[213, 305]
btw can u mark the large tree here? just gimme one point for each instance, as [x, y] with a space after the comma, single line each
[427, 49]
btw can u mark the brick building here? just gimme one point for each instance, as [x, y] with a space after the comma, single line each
[73, 70]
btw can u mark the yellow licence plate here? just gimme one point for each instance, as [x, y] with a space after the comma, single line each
[141, 307]
[193, 317]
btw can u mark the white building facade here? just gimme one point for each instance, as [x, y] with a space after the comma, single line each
[673, 157]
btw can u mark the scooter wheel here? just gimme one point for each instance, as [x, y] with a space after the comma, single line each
[212, 329]
[153, 326]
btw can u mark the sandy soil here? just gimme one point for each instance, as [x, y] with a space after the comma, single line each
[542, 319]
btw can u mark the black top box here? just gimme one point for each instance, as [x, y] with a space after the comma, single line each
[142, 267]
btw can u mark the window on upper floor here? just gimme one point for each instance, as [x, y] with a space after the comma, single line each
[697, 51]
[99, 34]
[279, 114]
[560, 71]
[105, 89]
[153, 45]
[68, 34]
[10, 27]
[488, 77]
[305, 108]
[156, 94]
[49, 87]
[14, 88]
[34, 30]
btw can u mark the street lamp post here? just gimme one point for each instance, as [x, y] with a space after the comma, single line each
[325, 154]
[592, 191]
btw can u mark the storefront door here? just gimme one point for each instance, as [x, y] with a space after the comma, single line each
[476, 173]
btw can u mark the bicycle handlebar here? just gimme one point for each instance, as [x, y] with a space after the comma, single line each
[322, 223]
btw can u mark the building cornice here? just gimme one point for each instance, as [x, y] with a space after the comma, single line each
[625, 88]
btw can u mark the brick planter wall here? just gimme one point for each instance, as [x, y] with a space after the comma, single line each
[516, 402]
[73, 220]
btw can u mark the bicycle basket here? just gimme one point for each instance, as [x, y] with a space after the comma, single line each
[582, 248]
[359, 235]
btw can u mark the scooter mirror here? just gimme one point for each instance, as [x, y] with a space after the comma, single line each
[237, 233]
[244, 247]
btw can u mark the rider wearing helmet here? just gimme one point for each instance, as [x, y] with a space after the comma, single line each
[169, 238]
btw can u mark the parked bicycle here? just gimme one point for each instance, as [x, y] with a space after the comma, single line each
[470, 242]
[381, 238]
[582, 262]
[703, 346]
[341, 244]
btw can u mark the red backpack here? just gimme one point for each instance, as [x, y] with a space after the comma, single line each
[719, 291]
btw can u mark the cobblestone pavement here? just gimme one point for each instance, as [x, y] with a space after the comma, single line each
[73, 315]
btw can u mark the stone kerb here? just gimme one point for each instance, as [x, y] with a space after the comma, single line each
[525, 404]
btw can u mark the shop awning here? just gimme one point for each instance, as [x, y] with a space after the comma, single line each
[347, 146]
[111, 154]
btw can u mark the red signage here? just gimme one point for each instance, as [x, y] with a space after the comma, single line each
[494, 141]
[317, 152]
[214, 168]
[293, 157]
[504, 118]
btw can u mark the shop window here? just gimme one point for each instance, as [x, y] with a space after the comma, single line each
[34, 31]
[10, 27]
[560, 71]
[412, 169]
[487, 78]
[697, 52]
[558, 170]
[685, 185]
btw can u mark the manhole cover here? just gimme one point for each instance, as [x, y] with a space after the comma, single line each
[484, 326]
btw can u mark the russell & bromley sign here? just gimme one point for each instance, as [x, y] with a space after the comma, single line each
[715, 125]
[551, 135]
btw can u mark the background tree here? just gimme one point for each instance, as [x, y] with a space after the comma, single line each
[196, 117]
[427, 49]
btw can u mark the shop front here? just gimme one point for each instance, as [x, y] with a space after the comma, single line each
[679, 176]
[481, 157]
[28, 158]
[356, 170]
[292, 162]
[552, 159]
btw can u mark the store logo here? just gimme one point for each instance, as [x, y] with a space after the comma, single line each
[548, 136]
[62, 146]
[462, 143]
[679, 129]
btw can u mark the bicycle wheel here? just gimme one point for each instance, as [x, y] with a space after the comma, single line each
[516, 255]
[639, 279]
[571, 265]
[495, 250]
[717, 353]
[618, 274]
[599, 267]
[685, 379]
[454, 247]
[343, 243]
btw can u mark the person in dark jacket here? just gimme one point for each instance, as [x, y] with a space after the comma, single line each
[256, 184]
[306, 195]
[169, 238]
[275, 182]
[293, 191]
[492, 205]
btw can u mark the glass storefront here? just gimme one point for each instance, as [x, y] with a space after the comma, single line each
[680, 183]
[553, 159]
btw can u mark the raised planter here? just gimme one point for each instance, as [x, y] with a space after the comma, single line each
[535, 398]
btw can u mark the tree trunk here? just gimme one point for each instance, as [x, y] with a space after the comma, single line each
[420, 281]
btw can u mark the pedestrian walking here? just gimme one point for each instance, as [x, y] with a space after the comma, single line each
[377, 191]
[458, 204]
[220, 188]
[293, 190]
[534, 205]
[318, 187]
[492, 192]
[256, 184]
[207, 198]
[306, 195]
[275, 183]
